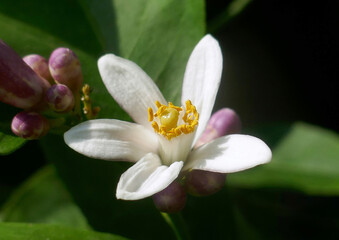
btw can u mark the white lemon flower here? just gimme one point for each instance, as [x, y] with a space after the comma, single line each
[161, 140]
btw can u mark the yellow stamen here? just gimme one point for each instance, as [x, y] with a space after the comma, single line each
[157, 103]
[150, 114]
[168, 118]
[155, 126]
[88, 110]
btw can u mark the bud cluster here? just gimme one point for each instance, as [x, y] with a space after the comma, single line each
[45, 89]
[198, 182]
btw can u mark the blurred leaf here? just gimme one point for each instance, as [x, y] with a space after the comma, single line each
[210, 217]
[5, 191]
[284, 214]
[233, 9]
[245, 230]
[43, 199]
[20, 231]
[62, 19]
[9, 144]
[306, 159]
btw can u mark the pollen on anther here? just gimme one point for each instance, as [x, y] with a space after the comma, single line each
[150, 114]
[157, 103]
[155, 126]
[177, 131]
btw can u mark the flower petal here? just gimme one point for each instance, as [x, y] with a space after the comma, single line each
[202, 79]
[130, 86]
[228, 154]
[110, 139]
[146, 177]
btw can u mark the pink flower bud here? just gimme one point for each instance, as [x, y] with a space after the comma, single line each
[204, 183]
[20, 86]
[60, 98]
[223, 122]
[172, 199]
[30, 125]
[40, 65]
[65, 68]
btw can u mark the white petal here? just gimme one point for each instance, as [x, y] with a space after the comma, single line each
[110, 139]
[146, 177]
[130, 86]
[231, 153]
[176, 149]
[202, 79]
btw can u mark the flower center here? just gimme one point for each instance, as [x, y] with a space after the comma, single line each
[172, 121]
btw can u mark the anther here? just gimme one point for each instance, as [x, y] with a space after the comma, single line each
[157, 103]
[150, 114]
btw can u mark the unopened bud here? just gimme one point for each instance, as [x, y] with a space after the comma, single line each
[223, 122]
[204, 183]
[20, 86]
[60, 98]
[65, 68]
[30, 125]
[40, 65]
[170, 200]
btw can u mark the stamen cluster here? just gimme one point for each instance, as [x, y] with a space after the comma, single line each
[171, 121]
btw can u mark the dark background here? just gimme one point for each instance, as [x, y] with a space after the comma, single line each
[281, 61]
[281, 66]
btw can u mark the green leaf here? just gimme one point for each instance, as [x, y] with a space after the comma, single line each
[157, 35]
[43, 199]
[9, 144]
[306, 159]
[62, 19]
[20, 231]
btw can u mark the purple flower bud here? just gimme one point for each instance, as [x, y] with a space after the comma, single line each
[30, 125]
[172, 199]
[60, 98]
[40, 65]
[20, 86]
[204, 183]
[65, 68]
[223, 122]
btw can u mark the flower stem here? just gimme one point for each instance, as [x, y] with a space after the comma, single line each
[178, 225]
